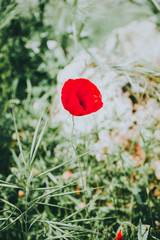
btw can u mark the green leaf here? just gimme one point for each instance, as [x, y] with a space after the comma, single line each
[143, 231]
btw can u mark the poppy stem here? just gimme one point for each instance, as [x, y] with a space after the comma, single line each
[72, 135]
[73, 125]
[79, 160]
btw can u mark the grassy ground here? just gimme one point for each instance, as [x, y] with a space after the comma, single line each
[58, 182]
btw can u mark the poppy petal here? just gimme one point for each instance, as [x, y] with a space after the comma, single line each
[81, 97]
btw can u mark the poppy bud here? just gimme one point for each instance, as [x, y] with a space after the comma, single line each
[66, 175]
[20, 193]
[82, 205]
[126, 231]
[78, 191]
[119, 235]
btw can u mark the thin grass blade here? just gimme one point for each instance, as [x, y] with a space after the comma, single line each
[18, 139]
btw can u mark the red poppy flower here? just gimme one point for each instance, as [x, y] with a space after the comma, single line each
[119, 235]
[81, 97]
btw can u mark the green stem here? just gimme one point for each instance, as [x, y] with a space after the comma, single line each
[79, 162]
[80, 168]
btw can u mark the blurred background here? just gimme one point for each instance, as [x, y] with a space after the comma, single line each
[38, 38]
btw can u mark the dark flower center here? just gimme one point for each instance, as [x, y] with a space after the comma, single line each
[82, 104]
